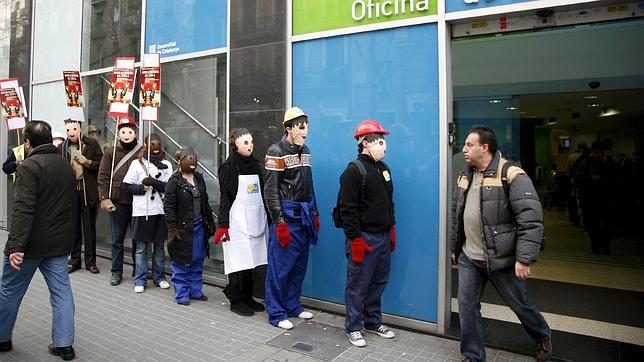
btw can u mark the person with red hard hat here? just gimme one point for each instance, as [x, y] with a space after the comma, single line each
[366, 213]
[291, 202]
[114, 200]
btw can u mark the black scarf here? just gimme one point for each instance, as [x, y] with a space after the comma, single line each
[128, 146]
[245, 165]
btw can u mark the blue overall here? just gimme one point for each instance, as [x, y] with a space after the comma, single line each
[366, 282]
[188, 279]
[287, 266]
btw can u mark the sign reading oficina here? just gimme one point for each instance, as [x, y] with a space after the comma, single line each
[310, 16]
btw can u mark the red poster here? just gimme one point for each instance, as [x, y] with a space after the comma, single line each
[150, 87]
[121, 89]
[12, 109]
[73, 88]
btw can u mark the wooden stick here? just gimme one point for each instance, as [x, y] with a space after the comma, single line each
[116, 132]
[80, 150]
[147, 171]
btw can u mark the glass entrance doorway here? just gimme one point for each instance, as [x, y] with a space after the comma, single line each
[553, 97]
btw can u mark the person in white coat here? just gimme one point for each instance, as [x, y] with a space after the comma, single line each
[242, 224]
[145, 180]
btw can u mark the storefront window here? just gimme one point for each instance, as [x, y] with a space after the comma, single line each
[111, 28]
[5, 28]
[56, 38]
[194, 91]
[49, 104]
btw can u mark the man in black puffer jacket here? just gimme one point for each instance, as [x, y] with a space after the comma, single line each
[42, 235]
[496, 235]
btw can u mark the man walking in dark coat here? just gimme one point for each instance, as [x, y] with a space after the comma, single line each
[42, 234]
[497, 230]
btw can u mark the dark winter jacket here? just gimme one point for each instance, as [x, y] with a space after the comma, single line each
[228, 173]
[42, 223]
[179, 215]
[288, 177]
[92, 151]
[118, 195]
[372, 209]
[512, 226]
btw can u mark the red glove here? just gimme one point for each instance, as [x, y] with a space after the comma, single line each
[222, 233]
[316, 222]
[392, 235]
[358, 248]
[283, 234]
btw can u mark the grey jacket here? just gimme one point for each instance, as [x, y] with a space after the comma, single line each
[512, 225]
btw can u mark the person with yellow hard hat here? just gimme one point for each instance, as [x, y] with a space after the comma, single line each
[291, 202]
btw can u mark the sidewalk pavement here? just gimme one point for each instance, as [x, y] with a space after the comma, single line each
[114, 323]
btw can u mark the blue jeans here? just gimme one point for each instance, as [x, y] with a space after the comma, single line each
[14, 286]
[141, 263]
[472, 276]
[366, 282]
[119, 221]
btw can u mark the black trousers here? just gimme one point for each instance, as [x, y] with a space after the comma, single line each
[85, 222]
[242, 285]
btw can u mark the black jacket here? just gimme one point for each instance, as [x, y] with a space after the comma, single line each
[179, 215]
[288, 177]
[369, 210]
[93, 152]
[512, 225]
[42, 223]
[229, 182]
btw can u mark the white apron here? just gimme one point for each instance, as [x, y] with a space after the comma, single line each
[247, 228]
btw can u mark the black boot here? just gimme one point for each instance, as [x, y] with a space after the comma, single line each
[254, 305]
[66, 353]
[241, 308]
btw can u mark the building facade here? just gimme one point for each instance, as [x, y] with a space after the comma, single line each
[228, 64]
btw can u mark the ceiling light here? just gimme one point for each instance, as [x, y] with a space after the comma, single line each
[511, 108]
[590, 97]
[551, 123]
[609, 111]
[495, 101]
[594, 105]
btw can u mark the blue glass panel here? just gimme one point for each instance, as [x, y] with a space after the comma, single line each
[180, 27]
[391, 76]
[460, 5]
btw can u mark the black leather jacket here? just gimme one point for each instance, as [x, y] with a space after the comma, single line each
[288, 177]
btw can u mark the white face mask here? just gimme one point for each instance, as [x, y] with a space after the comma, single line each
[298, 133]
[73, 130]
[126, 134]
[377, 149]
[244, 145]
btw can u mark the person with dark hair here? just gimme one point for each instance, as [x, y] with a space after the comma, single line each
[145, 180]
[114, 199]
[42, 235]
[497, 231]
[190, 224]
[84, 154]
[594, 180]
[366, 208]
[242, 222]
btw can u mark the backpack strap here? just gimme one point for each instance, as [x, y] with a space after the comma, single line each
[363, 175]
[504, 178]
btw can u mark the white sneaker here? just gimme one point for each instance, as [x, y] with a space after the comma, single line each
[305, 315]
[139, 289]
[356, 339]
[382, 331]
[164, 284]
[285, 324]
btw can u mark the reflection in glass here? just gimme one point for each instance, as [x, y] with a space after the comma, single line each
[111, 29]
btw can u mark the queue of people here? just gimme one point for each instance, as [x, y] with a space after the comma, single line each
[265, 218]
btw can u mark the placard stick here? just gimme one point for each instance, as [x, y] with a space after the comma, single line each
[116, 132]
[147, 171]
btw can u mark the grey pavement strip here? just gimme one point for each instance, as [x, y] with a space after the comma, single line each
[114, 323]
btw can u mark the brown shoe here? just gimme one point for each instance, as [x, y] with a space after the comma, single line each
[544, 350]
[93, 269]
[72, 268]
[466, 359]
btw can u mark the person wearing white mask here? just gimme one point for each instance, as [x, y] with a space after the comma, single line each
[294, 214]
[366, 213]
